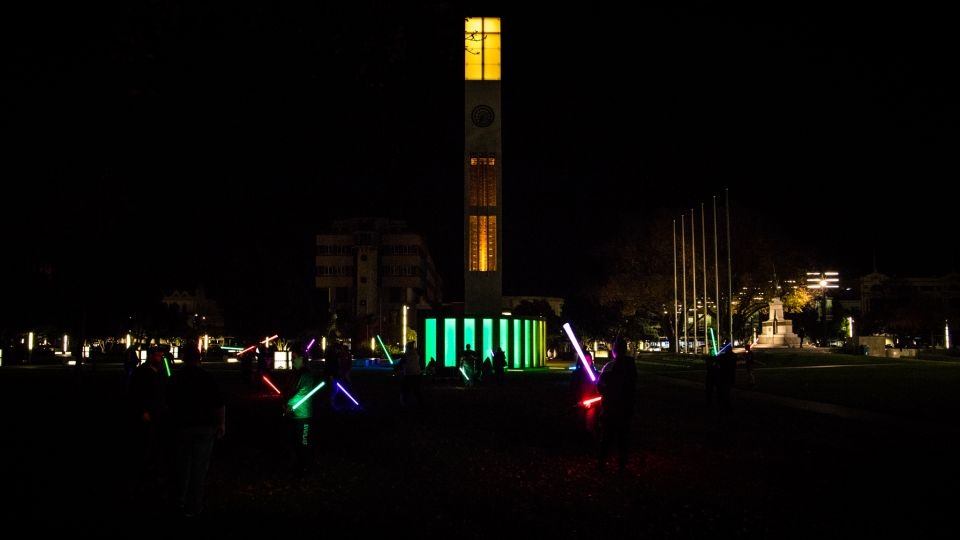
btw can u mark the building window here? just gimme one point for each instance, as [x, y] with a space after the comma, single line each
[482, 185]
[483, 243]
[481, 49]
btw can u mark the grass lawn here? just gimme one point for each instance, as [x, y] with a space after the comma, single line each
[911, 388]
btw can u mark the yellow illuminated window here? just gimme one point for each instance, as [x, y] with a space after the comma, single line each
[483, 243]
[481, 50]
[482, 187]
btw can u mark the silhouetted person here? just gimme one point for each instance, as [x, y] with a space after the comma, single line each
[431, 367]
[726, 376]
[302, 381]
[199, 418]
[467, 364]
[499, 364]
[748, 362]
[618, 386]
[583, 389]
[344, 364]
[486, 370]
[246, 367]
[148, 416]
[712, 377]
[411, 375]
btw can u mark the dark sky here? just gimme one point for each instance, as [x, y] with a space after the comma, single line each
[211, 136]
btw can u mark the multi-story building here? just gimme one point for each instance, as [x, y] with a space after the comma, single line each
[371, 268]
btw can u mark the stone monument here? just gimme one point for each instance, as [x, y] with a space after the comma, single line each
[777, 330]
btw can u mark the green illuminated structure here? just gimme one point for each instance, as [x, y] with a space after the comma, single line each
[525, 333]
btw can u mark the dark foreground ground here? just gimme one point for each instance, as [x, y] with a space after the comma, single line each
[504, 461]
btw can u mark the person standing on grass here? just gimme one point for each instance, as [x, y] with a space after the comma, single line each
[618, 387]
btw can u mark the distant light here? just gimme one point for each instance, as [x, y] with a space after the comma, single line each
[373, 344]
[850, 327]
[946, 334]
[404, 340]
[232, 360]
[206, 342]
[323, 343]
[71, 362]
[506, 313]
[129, 341]
[66, 340]
[30, 341]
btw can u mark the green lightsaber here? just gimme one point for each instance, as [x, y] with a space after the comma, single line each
[166, 365]
[385, 349]
[714, 340]
[312, 392]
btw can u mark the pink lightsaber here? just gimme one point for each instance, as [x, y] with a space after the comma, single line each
[576, 345]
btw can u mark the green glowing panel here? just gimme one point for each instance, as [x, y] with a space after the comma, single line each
[543, 341]
[515, 361]
[431, 338]
[536, 343]
[487, 338]
[526, 343]
[449, 342]
[470, 333]
[504, 338]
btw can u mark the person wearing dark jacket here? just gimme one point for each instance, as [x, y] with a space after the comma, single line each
[618, 387]
[299, 412]
[199, 418]
[726, 376]
[149, 423]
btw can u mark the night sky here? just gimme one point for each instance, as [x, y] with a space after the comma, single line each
[168, 143]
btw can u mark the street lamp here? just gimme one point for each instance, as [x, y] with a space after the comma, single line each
[823, 281]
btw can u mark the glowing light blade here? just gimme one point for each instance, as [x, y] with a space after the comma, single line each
[588, 402]
[464, 373]
[250, 348]
[344, 390]
[576, 345]
[724, 348]
[385, 349]
[166, 365]
[714, 341]
[312, 341]
[267, 341]
[275, 389]
[308, 396]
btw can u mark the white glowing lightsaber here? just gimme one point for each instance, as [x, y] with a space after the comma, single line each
[576, 345]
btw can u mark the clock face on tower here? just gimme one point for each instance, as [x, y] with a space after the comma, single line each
[482, 116]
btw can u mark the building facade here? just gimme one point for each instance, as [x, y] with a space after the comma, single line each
[371, 268]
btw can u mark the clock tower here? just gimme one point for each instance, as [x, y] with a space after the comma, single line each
[482, 168]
